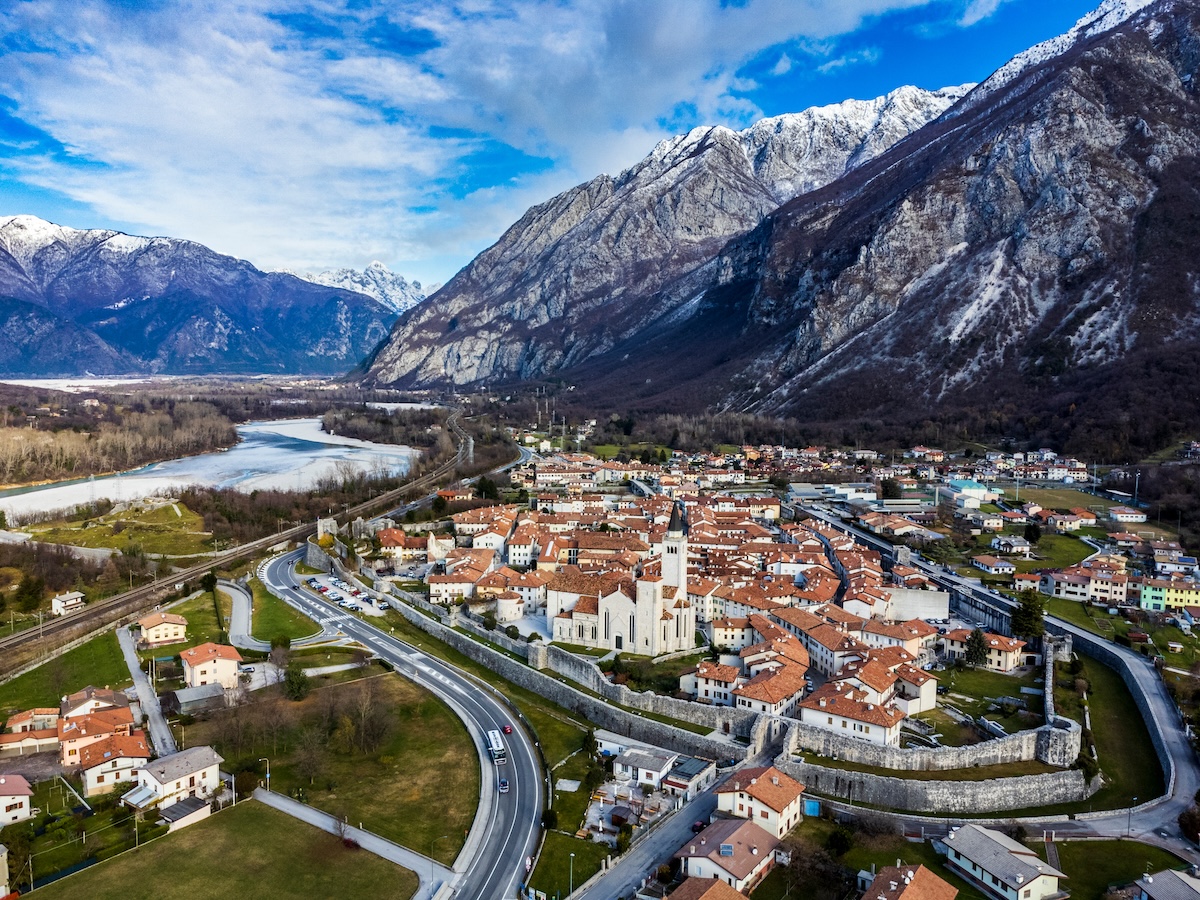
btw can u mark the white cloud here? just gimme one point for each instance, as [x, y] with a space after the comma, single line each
[783, 66]
[305, 149]
[978, 10]
[867, 55]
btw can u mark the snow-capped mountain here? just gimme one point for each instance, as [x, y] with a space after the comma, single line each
[1032, 253]
[74, 301]
[376, 280]
[584, 271]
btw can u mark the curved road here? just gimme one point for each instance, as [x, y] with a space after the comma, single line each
[240, 624]
[507, 826]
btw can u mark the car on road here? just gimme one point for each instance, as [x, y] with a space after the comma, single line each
[504, 785]
[508, 729]
[698, 826]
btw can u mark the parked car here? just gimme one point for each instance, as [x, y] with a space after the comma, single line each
[383, 604]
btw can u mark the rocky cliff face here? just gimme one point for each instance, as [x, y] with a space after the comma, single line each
[1032, 249]
[104, 302]
[587, 270]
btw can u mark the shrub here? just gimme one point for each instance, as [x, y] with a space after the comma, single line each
[550, 819]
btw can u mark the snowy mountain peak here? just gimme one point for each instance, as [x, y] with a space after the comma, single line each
[376, 280]
[1106, 16]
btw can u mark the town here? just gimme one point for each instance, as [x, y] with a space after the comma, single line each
[752, 641]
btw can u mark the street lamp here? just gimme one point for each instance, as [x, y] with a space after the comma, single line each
[572, 890]
[432, 863]
[1129, 817]
[268, 762]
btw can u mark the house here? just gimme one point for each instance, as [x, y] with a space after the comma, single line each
[91, 699]
[39, 718]
[16, 799]
[161, 628]
[211, 663]
[1168, 885]
[1126, 514]
[1012, 544]
[189, 773]
[840, 707]
[711, 682]
[644, 766]
[1004, 653]
[78, 732]
[906, 883]
[1000, 866]
[187, 811]
[72, 601]
[705, 889]
[735, 851]
[765, 796]
[688, 777]
[187, 701]
[111, 762]
[993, 565]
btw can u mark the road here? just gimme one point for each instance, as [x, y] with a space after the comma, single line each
[160, 732]
[507, 826]
[240, 623]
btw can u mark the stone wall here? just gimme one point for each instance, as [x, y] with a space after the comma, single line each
[948, 797]
[317, 558]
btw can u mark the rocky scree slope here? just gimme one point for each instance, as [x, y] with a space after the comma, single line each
[102, 302]
[587, 270]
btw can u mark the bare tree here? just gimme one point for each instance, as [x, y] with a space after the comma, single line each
[279, 658]
[310, 754]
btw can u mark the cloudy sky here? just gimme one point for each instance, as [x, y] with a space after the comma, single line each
[305, 135]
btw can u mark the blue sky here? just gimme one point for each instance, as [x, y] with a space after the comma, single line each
[306, 135]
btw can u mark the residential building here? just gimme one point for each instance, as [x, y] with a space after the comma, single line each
[906, 883]
[688, 777]
[735, 851]
[1168, 885]
[189, 773]
[765, 796]
[78, 732]
[64, 604]
[846, 709]
[644, 766]
[993, 565]
[705, 889]
[162, 628]
[1000, 866]
[211, 663]
[1003, 653]
[16, 799]
[1126, 514]
[112, 761]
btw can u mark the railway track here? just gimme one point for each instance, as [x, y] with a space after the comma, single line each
[21, 648]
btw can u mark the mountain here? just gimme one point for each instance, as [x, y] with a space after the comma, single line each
[102, 302]
[588, 269]
[376, 280]
[1031, 255]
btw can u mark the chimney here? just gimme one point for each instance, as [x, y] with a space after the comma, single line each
[775, 780]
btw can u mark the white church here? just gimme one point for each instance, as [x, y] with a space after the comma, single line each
[650, 615]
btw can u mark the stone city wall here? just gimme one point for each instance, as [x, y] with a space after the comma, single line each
[942, 797]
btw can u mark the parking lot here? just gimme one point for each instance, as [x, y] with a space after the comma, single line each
[348, 596]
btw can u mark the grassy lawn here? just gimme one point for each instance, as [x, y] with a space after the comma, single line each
[247, 844]
[983, 686]
[97, 662]
[571, 805]
[272, 617]
[1076, 613]
[173, 530]
[1127, 757]
[579, 649]
[419, 783]
[643, 674]
[1094, 865]
[1055, 551]
[949, 732]
[877, 850]
[202, 625]
[553, 871]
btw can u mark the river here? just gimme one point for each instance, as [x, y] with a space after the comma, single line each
[287, 454]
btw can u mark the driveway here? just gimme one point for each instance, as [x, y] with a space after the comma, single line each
[160, 732]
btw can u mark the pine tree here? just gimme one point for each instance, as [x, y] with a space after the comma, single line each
[1028, 620]
[977, 649]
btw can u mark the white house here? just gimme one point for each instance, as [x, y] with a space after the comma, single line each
[16, 799]
[211, 663]
[189, 773]
[765, 796]
[1126, 514]
[161, 628]
[993, 565]
[112, 762]
[1000, 866]
[72, 601]
[644, 766]
[839, 707]
[735, 851]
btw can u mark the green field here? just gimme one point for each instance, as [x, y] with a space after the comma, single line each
[1092, 866]
[1127, 756]
[202, 624]
[553, 873]
[1059, 498]
[172, 530]
[223, 856]
[426, 761]
[98, 662]
[273, 618]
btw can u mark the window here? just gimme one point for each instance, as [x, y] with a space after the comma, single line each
[99, 779]
[12, 806]
[762, 813]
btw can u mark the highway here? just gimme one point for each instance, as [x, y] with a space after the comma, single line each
[507, 826]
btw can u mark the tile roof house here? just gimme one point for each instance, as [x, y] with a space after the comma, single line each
[16, 799]
[766, 796]
[112, 761]
[162, 628]
[907, 883]
[840, 707]
[705, 889]
[211, 663]
[734, 851]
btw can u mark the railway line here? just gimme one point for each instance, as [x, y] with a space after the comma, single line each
[21, 648]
